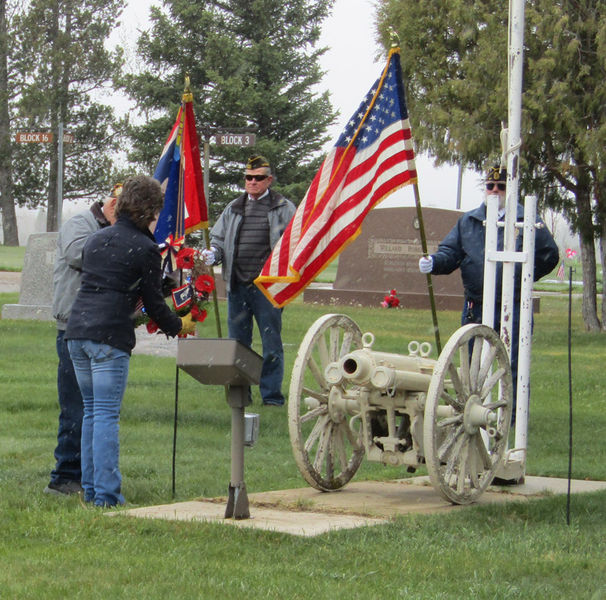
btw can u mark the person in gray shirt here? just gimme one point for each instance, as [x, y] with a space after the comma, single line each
[65, 477]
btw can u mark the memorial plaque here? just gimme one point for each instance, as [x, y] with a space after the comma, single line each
[36, 294]
[386, 256]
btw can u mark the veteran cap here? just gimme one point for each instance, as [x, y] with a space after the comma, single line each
[257, 162]
[495, 173]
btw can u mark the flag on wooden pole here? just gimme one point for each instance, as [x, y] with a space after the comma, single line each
[372, 158]
[180, 173]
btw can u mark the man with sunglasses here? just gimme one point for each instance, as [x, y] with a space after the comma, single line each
[241, 241]
[463, 248]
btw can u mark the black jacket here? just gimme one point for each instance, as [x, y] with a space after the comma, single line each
[120, 264]
[463, 248]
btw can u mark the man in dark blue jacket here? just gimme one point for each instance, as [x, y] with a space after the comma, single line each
[463, 248]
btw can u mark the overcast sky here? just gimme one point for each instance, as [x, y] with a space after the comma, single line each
[350, 72]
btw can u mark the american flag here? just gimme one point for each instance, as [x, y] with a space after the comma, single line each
[372, 158]
[560, 273]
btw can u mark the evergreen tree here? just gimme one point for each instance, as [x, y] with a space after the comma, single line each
[252, 64]
[7, 205]
[63, 62]
[455, 59]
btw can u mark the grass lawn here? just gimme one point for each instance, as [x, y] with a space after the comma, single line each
[55, 548]
[11, 258]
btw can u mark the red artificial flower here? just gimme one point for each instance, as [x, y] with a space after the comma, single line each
[205, 284]
[151, 326]
[198, 314]
[391, 300]
[185, 258]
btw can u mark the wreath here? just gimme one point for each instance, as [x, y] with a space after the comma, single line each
[189, 286]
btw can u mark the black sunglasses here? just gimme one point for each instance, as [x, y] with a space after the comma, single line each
[256, 177]
[500, 186]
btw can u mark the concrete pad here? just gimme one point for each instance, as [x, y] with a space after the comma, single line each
[308, 512]
[272, 519]
[545, 486]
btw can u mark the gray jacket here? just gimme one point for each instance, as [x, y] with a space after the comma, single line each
[68, 262]
[224, 234]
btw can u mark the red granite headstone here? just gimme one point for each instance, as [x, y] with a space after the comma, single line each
[386, 256]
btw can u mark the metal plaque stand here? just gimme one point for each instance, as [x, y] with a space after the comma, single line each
[226, 362]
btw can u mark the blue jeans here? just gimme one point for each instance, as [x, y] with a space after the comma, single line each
[102, 371]
[67, 452]
[244, 302]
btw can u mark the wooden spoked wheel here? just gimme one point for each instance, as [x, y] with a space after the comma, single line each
[468, 413]
[327, 450]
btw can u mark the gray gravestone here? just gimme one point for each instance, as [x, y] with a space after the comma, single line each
[385, 256]
[36, 295]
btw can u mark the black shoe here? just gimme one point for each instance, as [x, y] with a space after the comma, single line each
[63, 489]
[499, 481]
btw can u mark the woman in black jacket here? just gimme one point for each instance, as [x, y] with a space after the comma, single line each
[120, 264]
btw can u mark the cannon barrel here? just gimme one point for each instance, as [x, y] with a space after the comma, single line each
[382, 370]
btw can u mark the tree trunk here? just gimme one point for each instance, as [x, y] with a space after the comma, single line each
[52, 223]
[7, 204]
[587, 240]
[603, 263]
[590, 307]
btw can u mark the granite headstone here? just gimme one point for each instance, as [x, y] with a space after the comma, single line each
[36, 294]
[385, 256]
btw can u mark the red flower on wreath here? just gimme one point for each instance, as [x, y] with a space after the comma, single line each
[198, 314]
[205, 284]
[391, 300]
[185, 258]
[151, 327]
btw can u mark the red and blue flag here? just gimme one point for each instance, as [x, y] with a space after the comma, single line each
[180, 173]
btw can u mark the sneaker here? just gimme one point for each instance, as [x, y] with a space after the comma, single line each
[63, 489]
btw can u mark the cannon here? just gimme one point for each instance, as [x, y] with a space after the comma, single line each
[453, 414]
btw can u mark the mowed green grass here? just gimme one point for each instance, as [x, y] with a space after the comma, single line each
[11, 258]
[55, 548]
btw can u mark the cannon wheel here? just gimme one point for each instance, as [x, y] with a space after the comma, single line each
[462, 454]
[327, 451]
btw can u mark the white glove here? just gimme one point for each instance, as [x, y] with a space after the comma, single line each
[208, 256]
[425, 264]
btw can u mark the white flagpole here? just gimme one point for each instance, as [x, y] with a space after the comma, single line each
[516, 458]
